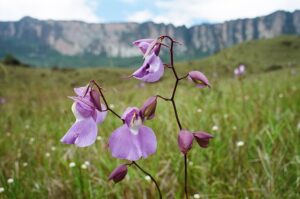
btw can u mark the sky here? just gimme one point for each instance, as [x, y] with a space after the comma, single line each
[177, 12]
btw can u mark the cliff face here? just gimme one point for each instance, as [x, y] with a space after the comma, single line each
[30, 38]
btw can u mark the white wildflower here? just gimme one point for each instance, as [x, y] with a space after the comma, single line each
[72, 164]
[196, 196]
[147, 178]
[240, 143]
[25, 164]
[199, 110]
[83, 166]
[10, 180]
[87, 163]
[47, 155]
[99, 138]
[53, 148]
[2, 189]
[111, 106]
[215, 128]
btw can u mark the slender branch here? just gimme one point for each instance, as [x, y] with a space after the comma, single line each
[164, 98]
[152, 178]
[185, 177]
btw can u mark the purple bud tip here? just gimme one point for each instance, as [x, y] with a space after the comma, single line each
[203, 138]
[95, 98]
[199, 79]
[119, 173]
[149, 107]
[185, 141]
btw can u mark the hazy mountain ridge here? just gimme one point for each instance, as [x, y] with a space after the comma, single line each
[49, 42]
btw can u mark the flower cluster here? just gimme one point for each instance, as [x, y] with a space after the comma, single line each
[240, 71]
[133, 140]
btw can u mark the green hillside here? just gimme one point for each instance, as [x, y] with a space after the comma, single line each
[257, 56]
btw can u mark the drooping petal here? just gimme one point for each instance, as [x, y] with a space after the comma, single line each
[126, 145]
[148, 108]
[199, 79]
[147, 141]
[118, 173]
[151, 70]
[185, 141]
[202, 138]
[82, 133]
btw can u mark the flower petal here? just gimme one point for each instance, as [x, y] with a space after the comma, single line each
[199, 79]
[99, 117]
[151, 70]
[82, 133]
[185, 141]
[126, 145]
[81, 91]
[81, 111]
[130, 114]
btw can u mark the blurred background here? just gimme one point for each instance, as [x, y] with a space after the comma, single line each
[49, 47]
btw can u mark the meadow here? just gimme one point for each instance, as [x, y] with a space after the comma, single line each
[255, 152]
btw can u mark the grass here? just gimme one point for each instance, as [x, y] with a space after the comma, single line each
[37, 114]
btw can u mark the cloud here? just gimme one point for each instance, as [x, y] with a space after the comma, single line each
[49, 9]
[140, 16]
[188, 11]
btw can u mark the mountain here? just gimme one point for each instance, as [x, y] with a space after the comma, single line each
[75, 43]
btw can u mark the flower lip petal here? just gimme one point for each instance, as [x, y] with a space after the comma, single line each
[199, 79]
[185, 141]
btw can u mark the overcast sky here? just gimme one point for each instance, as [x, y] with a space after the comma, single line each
[178, 12]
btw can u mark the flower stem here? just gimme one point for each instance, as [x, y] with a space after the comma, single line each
[152, 178]
[185, 177]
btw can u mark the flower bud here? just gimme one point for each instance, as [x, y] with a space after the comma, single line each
[202, 138]
[199, 79]
[95, 98]
[119, 173]
[185, 141]
[149, 107]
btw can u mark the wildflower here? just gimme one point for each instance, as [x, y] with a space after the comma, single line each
[86, 109]
[83, 166]
[202, 138]
[53, 148]
[185, 141]
[112, 106]
[72, 164]
[47, 155]
[148, 178]
[199, 110]
[298, 126]
[119, 173]
[239, 143]
[132, 140]
[10, 180]
[2, 100]
[25, 164]
[199, 79]
[191, 163]
[2, 189]
[239, 71]
[99, 138]
[215, 128]
[87, 163]
[196, 196]
[151, 70]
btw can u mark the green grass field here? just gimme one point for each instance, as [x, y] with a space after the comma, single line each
[263, 112]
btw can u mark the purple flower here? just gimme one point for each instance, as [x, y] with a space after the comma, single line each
[2, 100]
[239, 71]
[199, 79]
[148, 46]
[151, 70]
[132, 140]
[185, 141]
[118, 173]
[86, 111]
[202, 138]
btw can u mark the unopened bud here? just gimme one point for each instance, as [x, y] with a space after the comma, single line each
[185, 141]
[149, 107]
[95, 98]
[199, 79]
[119, 173]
